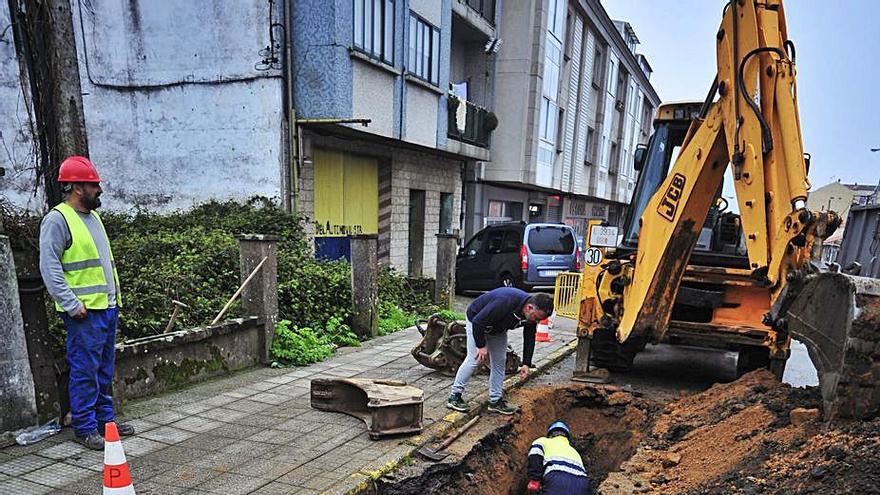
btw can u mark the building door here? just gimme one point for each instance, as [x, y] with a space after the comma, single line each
[346, 201]
[416, 232]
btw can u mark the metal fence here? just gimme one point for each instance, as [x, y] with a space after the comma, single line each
[468, 124]
[565, 298]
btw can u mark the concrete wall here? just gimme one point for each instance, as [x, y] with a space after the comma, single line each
[421, 115]
[373, 97]
[177, 114]
[516, 80]
[17, 147]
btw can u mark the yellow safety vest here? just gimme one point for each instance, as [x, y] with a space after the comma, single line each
[82, 265]
[558, 455]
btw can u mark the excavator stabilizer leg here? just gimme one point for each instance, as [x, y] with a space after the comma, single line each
[837, 317]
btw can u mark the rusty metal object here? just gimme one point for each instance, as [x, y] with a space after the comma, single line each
[440, 452]
[837, 317]
[388, 407]
[444, 347]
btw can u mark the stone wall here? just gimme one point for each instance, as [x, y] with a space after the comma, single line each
[155, 364]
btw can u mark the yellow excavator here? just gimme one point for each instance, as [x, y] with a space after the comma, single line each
[685, 268]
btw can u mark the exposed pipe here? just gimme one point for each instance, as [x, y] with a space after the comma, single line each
[291, 170]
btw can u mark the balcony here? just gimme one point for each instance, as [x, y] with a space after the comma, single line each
[470, 123]
[480, 14]
[486, 9]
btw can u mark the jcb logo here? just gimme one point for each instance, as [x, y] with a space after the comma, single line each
[669, 203]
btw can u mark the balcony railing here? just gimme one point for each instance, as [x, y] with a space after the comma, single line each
[470, 123]
[486, 9]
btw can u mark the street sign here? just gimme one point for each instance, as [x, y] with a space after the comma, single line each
[593, 256]
[603, 236]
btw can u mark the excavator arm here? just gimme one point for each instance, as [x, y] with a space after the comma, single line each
[752, 127]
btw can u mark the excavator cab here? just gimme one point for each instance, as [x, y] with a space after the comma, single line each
[717, 304]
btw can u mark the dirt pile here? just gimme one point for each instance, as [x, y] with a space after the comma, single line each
[751, 436]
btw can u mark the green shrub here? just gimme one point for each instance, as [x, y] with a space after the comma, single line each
[392, 318]
[298, 346]
[340, 334]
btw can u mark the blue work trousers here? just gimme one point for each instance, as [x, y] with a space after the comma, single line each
[91, 356]
[557, 483]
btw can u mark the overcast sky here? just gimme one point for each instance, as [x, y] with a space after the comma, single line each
[838, 64]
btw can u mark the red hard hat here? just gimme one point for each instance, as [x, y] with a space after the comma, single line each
[77, 169]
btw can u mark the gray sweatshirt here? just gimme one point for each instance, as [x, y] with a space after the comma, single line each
[54, 240]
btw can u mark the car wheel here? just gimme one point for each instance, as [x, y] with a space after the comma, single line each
[507, 280]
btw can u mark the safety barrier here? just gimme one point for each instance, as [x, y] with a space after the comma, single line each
[565, 297]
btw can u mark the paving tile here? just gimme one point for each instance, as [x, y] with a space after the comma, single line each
[168, 434]
[259, 420]
[90, 485]
[218, 400]
[147, 468]
[281, 380]
[24, 465]
[300, 475]
[248, 448]
[62, 450]
[179, 454]
[209, 442]
[319, 483]
[92, 460]
[196, 424]
[142, 425]
[187, 476]
[165, 417]
[195, 407]
[264, 468]
[222, 414]
[278, 488]
[248, 405]
[298, 425]
[236, 431]
[153, 488]
[18, 486]
[277, 437]
[270, 398]
[57, 475]
[263, 386]
[230, 483]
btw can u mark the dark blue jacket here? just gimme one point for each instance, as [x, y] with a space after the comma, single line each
[498, 311]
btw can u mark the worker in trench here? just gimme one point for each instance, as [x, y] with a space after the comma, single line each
[555, 467]
[79, 272]
[489, 318]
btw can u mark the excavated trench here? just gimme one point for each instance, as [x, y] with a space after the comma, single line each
[608, 425]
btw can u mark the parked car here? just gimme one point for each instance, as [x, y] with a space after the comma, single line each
[516, 255]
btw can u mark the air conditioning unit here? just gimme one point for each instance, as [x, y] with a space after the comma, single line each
[475, 171]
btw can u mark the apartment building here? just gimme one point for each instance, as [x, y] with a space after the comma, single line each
[422, 72]
[573, 99]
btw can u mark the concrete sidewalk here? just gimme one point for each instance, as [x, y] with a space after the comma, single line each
[255, 432]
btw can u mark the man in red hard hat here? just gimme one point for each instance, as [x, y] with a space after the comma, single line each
[79, 272]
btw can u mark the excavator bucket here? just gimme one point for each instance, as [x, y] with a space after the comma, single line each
[837, 317]
[444, 346]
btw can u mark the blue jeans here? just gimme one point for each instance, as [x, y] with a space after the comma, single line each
[91, 356]
[497, 345]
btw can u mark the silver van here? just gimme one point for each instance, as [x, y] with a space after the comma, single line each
[517, 255]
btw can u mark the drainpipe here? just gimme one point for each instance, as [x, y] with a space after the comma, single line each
[291, 170]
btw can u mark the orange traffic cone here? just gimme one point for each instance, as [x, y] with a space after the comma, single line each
[117, 478]
[543, 333]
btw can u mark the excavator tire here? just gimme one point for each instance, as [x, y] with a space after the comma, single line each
[837, 317]
[607, 352]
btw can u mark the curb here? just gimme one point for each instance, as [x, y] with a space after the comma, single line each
[455, 419]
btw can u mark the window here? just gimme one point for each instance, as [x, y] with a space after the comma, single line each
[551, 240]
[493, 241]
[512, 241]
[549, 115]
[597, 69]
[556, 18]
[590, 146]
[446, 213]
[424, 50]
[374, 28]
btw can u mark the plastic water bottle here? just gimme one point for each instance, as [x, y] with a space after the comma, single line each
[37, 433]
